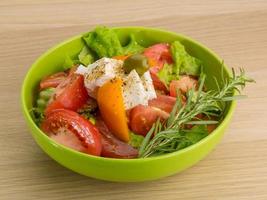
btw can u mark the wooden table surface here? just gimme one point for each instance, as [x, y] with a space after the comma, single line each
[236, 30]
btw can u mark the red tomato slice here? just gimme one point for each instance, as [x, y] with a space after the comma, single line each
[143, 117]
[113, 147]
[53, 80]
[158, 84]
[184, 84]
[70, 94]
[163, 102]
[157, 55]
[69, 128]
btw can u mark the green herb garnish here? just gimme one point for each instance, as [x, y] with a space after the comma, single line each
[172, 135]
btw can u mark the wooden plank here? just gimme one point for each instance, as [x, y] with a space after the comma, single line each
[236, 30]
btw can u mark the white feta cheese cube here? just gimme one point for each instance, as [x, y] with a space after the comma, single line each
[100, 72]
[133, 91]
[148, 85]
[81, 70]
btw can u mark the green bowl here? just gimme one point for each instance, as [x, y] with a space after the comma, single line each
[123, 170]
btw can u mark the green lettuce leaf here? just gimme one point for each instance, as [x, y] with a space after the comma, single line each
[85, 56]
[69, 62]
[135, 140]
[183, 62]
[103, 41]
[167, 74]
[193, 135]
[197, 133]
[132, 47]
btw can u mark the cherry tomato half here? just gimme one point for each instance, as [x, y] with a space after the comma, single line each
[70, 129]
[184, 84]
[70, 94]
[143, 117]
[157, 55]
[163, 102]
[53, 80]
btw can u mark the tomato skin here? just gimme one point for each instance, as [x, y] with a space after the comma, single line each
[83, 129]
[143, 117]
[184, 84]
[113, 147]
[70, 94]
[163, 102]
[53, 80]
[157, 55]
[158, 84]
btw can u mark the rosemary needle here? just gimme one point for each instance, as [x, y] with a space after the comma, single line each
[170, 136]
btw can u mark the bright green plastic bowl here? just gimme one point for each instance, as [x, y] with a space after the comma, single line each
[123, 170]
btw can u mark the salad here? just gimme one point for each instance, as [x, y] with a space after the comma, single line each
[131, 101]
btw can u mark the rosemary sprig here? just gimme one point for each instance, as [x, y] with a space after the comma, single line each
[169, 136]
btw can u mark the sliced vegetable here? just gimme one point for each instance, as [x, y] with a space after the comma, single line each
[143, 117]
[168, 135]
[158, 84]
[70, 129]
[183, 64]
[137, 62]
[158, 54]
[53, 80]
[70, 94]
[111, 106]
[111, 146]
[163, 102]
[184, 84]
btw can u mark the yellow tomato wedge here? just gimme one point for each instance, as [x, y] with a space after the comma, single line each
[111, 106]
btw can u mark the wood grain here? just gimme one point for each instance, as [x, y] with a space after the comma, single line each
[236, 30]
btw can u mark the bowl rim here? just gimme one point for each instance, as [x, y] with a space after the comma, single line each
[28, 117]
